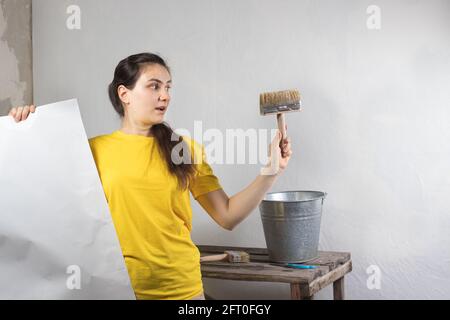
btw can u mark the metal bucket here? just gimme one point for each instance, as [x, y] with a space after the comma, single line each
[291, 222]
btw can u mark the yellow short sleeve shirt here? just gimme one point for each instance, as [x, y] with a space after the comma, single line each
[152, 217]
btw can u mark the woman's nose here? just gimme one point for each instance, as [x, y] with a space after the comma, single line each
[164, 96]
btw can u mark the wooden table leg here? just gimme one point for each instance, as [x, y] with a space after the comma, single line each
[338, 289]
[300, 292]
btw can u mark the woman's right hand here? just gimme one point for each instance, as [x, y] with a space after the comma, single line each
[21, 113]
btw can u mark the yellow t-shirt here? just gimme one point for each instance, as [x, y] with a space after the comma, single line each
[152, 218]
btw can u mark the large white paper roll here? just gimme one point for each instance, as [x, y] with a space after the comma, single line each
[57, 239]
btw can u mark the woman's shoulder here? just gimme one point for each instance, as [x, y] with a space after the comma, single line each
[100, 139]
[96, 139]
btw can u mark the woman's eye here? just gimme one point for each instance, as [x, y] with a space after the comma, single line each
[155, 86]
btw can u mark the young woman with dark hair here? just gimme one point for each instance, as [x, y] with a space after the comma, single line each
[148, 192]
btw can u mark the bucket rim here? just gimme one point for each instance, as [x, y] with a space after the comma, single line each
[275, 192]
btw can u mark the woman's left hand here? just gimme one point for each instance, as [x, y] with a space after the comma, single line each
[277, 164]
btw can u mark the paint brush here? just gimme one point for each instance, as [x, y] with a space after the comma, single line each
[279, 103]
[229, 255]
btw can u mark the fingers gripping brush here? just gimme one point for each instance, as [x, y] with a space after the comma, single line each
[279, 103]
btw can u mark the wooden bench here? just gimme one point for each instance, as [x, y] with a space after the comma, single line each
[331, 269]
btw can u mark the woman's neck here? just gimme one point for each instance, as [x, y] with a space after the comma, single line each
[137, 130]
[129, 127]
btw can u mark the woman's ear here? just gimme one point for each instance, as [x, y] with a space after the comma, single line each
[122, 92]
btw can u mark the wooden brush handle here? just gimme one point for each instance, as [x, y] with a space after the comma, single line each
[216, 257]
[281, 125]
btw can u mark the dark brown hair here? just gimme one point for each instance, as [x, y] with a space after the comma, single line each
[127, 73]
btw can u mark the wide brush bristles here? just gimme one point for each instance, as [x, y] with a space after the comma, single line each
[279, 102]
[238, 256]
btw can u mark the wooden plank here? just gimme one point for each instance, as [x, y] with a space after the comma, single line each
[330, 277]
[254, 271]
[338, 289]
[324, 258]
[330, 258]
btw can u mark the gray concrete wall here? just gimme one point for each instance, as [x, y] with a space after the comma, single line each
[374, 132]
[16, 86]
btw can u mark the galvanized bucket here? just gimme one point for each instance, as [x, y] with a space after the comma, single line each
[291, 222]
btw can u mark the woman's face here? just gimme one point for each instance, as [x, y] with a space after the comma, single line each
[149, 99]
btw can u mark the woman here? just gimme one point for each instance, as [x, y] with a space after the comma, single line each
[148, 193]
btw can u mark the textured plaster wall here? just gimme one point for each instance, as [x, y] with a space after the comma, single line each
[15, 54]
[374, 132]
